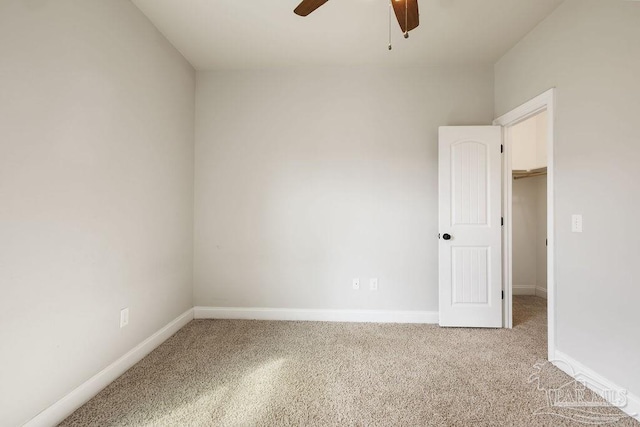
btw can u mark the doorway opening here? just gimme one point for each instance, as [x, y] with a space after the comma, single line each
[528, 151]
[528, 235]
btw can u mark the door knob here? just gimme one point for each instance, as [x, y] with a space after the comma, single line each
[446, 236]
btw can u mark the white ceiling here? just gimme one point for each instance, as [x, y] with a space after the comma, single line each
[239, 34]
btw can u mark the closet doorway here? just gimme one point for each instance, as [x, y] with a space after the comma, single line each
[528, 143]
[528, 232]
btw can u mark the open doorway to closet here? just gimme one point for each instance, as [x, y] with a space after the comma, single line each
[528, 209]
[528, 150]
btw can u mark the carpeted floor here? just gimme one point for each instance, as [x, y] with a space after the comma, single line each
[265, 373]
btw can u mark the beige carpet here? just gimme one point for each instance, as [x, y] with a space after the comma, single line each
[264, 373]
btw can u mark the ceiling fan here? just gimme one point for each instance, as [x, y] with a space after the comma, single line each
[406, 12]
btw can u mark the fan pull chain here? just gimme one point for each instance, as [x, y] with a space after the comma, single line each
[390, 7]
[406, 19]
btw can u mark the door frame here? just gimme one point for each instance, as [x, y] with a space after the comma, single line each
[542, 102]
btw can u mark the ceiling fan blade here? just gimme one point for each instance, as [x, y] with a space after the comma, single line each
[308, 6]
[407, 14]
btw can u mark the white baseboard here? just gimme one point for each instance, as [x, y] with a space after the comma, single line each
[524, 289]
[529, 290]
[256, 313]
[57, 412]
[596, 382]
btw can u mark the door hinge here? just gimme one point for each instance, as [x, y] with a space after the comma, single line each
[502, 294]
[546, 242]
[502, 148]
[502, 220]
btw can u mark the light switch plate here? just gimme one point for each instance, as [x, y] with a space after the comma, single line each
[124, 317]
[373, 284]
[576, 223]
[356, 284]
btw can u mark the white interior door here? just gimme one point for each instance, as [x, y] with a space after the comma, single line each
[470, 191]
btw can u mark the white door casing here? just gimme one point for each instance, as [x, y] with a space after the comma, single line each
[470, 197]
[544, 101]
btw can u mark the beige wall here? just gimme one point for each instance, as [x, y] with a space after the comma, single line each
[306, 179]
[529, 151]
[590, 51]
[541, 236]
[529, 215]
[96, 175]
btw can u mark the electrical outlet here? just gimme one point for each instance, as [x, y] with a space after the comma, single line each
[356, 284]
[124, 317]
[373, 284]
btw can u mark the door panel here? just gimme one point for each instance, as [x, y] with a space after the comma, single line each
[469, 183]
[470, 267]
[470, 211]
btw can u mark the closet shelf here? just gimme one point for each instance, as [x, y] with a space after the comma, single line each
[518, 174]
